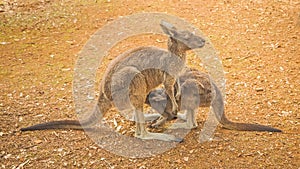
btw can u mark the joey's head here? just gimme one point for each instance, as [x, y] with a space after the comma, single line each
[190, 94]
[183, 40]
[157, 99]
[157, 95]
[194, 94]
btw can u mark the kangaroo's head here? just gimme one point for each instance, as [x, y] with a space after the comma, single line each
[184, 40]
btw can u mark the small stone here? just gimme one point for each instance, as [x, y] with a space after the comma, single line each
[159, 41]
[7, 156]
[38, 141]
[65, 69]
[4, 43]
[186, 159]
[259, 89]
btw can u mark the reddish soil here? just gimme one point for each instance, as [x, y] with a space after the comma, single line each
[258, 43]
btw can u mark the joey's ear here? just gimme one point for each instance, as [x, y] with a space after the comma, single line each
[168, 28]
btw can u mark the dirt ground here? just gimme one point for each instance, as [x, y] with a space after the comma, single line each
[258, 43]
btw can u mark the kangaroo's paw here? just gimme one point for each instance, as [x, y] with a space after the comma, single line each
[183, 126]
[174, 107]
[159, 136]
[161, 121]
[177, 96]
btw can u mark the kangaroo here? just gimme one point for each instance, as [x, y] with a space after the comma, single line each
[198, 90]
[131, 76]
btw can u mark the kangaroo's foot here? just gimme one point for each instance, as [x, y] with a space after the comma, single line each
[151, 117]
[148, 117]
[184, 125]
[142, 133]
[158, 136]
[181, 116]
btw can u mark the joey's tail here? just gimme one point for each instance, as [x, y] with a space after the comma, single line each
[218, 108]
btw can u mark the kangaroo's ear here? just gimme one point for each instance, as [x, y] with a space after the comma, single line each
[168, 28]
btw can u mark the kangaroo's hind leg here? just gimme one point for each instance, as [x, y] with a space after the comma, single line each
[141, 131]
[138, 96]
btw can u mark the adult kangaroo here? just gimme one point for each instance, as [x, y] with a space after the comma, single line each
[131, 76]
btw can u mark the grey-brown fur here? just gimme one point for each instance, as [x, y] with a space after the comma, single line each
[197, 90]
[126, 82]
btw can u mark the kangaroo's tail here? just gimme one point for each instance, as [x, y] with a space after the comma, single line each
[92, 119]
[246, 126]
[218, 108]
[61, 124]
